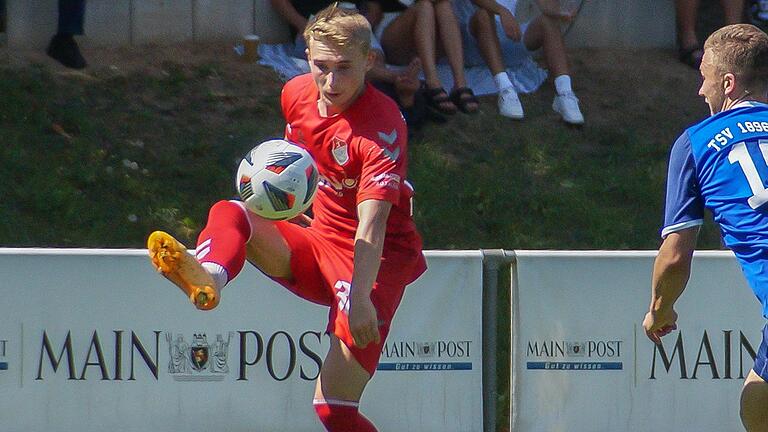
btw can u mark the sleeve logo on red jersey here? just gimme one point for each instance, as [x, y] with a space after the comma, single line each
[389, 139]
[387, 180]
[339, 150]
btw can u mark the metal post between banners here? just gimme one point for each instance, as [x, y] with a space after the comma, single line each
[493, 260]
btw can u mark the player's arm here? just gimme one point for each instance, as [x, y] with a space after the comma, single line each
[671, 271]
[683, 214]
[369, 244]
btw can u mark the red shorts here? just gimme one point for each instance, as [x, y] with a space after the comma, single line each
[322, 273]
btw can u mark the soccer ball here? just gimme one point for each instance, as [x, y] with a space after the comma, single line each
[277, 180]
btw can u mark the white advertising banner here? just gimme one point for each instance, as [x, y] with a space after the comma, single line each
[94, 340]
[581, 361]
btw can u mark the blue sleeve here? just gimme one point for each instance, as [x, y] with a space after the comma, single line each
[684, 207]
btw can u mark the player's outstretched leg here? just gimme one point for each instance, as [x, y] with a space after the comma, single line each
[172, 260]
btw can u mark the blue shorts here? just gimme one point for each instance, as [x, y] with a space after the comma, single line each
[761, 359]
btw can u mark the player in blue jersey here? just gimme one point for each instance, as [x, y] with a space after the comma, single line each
[721, 163]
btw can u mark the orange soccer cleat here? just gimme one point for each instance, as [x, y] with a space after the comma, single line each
[171, 258]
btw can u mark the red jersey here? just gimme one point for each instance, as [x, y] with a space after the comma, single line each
[361, 153]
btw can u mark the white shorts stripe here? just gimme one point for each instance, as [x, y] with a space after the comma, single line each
[339, 402]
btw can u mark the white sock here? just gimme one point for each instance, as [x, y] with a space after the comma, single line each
[502, 81]
[218, 273]
[563, 85]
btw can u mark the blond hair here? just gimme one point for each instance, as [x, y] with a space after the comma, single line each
[741, 49]
[340, 27]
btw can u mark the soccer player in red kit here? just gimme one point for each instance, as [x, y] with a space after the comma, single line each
[360, 250]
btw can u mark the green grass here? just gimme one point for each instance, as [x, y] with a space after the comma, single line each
[102, 160]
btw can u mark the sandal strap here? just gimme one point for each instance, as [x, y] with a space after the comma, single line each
[436, 95]
[464, 94]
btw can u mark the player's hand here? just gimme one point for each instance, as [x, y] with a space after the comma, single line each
[363, 321]
[510, 26]
[659, 323]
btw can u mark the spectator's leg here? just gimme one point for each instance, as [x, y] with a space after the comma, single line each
[449, 34]
[482, 25]
[450, 40]
[733, 11]
[71, 17]
[413, 33]
[2, 16]
[544, 32]
[686, 13]
[63, 47]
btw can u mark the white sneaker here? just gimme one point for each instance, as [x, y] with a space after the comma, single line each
[567, 105]
[509, 104]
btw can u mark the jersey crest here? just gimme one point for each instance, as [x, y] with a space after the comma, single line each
[339, 151]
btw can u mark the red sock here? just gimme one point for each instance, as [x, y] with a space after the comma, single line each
[223, 239]
[342, 416]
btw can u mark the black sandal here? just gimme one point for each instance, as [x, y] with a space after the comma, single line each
[463, 97]
[691, 56]
[438, 99]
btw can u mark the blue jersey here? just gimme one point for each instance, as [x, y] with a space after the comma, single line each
[722, 164]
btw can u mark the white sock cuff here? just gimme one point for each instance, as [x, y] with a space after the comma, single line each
[563, 84]
[502, 80]
[247, 217]
[218, 273]
[321, 401]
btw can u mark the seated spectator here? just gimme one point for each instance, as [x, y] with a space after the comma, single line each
[62, 46]
[408, 32]
[690, 50]
[491, 27]
[402, 86]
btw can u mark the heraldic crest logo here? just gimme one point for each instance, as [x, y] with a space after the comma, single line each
[198, 361]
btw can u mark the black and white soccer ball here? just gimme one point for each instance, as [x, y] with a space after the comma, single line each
[277, 180]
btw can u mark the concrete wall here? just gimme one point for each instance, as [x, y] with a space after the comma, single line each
[624, 24]
[616, 23]
[601, 23]
[31, 23]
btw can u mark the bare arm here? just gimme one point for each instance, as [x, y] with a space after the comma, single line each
[369, 244]
[290, 14]
[671, 271]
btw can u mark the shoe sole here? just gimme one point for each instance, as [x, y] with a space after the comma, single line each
[171, 259]
[569, 123]
[512, 117]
